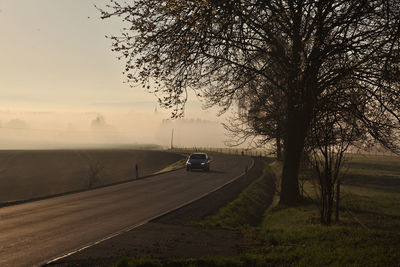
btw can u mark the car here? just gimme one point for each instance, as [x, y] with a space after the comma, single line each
[198, 161]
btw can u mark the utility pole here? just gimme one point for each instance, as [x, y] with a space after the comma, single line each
[172, 139]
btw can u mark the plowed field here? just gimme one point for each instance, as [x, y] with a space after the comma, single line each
[28, 174]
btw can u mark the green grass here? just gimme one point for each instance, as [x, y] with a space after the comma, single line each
[368, 233]
[248, 208]
[244, 261]
[293, 237]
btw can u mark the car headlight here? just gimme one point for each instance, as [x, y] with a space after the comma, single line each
[203, 163]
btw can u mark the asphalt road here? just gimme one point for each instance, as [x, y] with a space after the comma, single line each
[36, 232]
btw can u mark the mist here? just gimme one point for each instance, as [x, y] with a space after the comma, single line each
[75, 129]
[78, 98]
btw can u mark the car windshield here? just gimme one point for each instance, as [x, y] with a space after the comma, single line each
[198, 156]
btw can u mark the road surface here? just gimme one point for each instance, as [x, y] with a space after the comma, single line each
[33, 233]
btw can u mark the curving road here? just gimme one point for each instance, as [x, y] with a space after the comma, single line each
[36, 232]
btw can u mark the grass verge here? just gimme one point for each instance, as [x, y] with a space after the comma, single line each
[244, 261]
[248, 208]
[174, 166]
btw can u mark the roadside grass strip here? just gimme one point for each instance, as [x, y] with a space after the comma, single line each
[248, 208]
[174, 166]
[244, 261]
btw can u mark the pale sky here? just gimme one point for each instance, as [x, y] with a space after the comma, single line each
[54, 55]
[57, 70]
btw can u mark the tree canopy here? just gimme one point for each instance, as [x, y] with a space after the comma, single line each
[315, 55]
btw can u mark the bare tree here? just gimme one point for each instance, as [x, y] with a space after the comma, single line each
[94, 172]
[217, 47]
[94, 169]
[329, 139]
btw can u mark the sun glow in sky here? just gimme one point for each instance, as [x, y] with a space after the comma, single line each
[55, 60]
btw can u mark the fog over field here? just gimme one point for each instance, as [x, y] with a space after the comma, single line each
[66, 129]
[62, 86]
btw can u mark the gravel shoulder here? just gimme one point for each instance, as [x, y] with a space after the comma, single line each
[168, 236]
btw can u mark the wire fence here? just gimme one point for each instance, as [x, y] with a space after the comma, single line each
[258, 152]
[226, 150]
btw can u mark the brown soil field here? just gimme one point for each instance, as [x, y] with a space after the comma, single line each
[30, 174]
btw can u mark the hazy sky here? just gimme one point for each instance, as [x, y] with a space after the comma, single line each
[54, 54]
[57, 69]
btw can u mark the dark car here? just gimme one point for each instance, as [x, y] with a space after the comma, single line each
[198, 161]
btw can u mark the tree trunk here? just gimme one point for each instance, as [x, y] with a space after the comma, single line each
[297, 125]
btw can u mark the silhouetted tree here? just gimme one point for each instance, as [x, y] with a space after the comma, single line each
[260, 118]
[99, 122]
[331, 133]
[209, 45]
